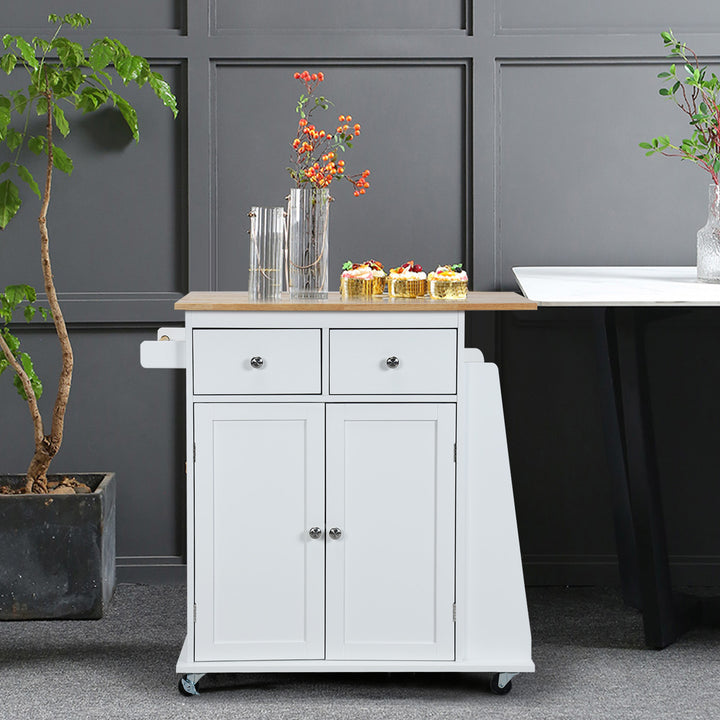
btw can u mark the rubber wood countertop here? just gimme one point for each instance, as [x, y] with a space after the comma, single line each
[238, 301]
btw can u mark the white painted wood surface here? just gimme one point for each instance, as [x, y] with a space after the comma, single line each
[426, 360]
[259, 488]
[474, 574]
[391, 490]
[222, 362]
[616, 286]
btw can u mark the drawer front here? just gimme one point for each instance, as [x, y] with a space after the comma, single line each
[397, 362]
[256, 362]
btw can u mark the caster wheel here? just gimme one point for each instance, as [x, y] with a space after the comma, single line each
[495, 685]
[187, 687]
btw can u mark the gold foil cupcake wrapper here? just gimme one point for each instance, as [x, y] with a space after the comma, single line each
[400, 287]
[448, 289]
[360, 287]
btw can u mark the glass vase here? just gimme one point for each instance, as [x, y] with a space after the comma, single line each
[308, 217]
[708, 240]
[267, 239]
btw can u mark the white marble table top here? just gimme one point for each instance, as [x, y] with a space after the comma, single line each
[616, 286]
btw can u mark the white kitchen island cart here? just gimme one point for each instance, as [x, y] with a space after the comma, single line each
[349, 501]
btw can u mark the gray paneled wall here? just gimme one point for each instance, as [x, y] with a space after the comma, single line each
[498, 133]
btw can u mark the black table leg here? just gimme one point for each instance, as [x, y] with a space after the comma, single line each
[638, 506]
[606, 354]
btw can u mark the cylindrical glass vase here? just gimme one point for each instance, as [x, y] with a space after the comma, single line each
[708, 240]
[267, 239]
[308, 217]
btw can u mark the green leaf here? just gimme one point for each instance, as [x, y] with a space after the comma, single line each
[15, 294]
[42, 106]
[663, 74]
[37, 144]
[70, 54]
[645, 145]
[61, 160]
[35, 383]
[26, 49]
[44, 313]
[20, 101]
[128, 112]
[90, 99]
[664, 91]
[60, 120]
[26, 175]
[29, 312]
[132, 68]
[9, 202]
[4, 167]
[102, 53]
[163, 91]
[14, 139]
[7, 62]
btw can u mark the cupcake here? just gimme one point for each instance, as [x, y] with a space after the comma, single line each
[362, 279]
[408, 281]
[448, 282]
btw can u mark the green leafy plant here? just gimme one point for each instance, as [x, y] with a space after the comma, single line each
[60, 75]
[696, 91]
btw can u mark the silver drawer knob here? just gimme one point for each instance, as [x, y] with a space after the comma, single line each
[315, 533]
[335, 533]
[257, 362]
[392, 362]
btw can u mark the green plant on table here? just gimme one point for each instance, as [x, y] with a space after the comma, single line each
[696, 91]
[60, 75]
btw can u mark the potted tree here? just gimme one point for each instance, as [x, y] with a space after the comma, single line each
[57, 534]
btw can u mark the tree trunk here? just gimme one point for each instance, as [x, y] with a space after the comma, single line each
[47, 448]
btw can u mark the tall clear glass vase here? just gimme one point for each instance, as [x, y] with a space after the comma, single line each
[708, 240]
[267, 239]
[308, 217]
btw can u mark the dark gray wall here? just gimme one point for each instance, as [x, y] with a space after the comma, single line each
[500, 133]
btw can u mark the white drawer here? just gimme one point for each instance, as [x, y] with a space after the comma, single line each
[405, 362]
[256, 362]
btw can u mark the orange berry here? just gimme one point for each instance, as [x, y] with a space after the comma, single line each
[362, 192]
[341, 118]
[321, 77]
[297, 75]
[302, 122]
[357, 132]
[349, 118]
[314, 76]
[356, 194]
[341, 162]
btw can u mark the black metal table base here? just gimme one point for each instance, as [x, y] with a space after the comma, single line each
[635, 487]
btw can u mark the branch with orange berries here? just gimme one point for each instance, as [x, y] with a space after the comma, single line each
[314, 158]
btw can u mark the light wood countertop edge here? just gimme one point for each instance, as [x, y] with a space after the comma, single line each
[238, 301]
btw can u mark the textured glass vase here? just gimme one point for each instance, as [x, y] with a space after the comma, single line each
[308, 217]
[708, 240]
[267, 240]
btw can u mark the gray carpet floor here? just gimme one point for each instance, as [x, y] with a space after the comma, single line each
[587, 647]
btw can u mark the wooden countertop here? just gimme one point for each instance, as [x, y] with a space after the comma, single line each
[238, 301]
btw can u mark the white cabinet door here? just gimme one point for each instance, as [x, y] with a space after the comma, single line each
[391, 493]
[259, 488]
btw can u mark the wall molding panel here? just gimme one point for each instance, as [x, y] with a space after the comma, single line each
[498, 133]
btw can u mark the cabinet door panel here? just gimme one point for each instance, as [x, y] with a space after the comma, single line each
[259, 487]
[391, 490]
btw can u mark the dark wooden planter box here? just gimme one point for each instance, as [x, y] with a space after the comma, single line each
[57, 552]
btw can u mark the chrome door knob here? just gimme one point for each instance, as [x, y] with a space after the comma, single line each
[335, 533]
[315, 533]
[257, 362]
[392, 362]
